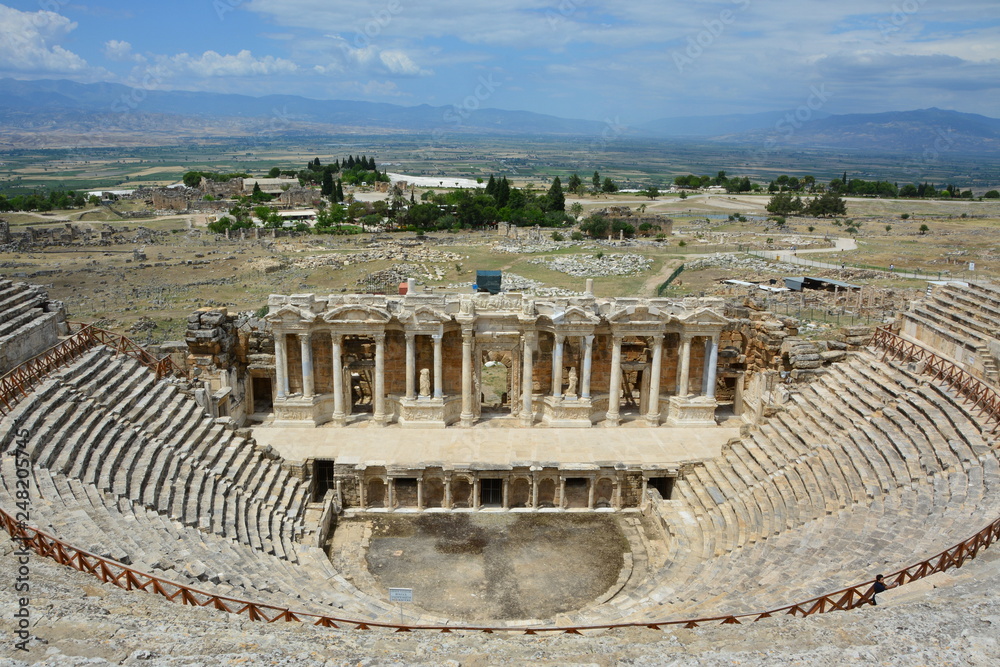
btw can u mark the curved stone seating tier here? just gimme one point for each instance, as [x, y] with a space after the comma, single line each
[868, 467]
[961, 320]
[847, 479]
[115, 527]
[826, 553]
[105, 421]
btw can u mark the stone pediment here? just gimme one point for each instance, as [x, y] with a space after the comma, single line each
[424, 315]
[356, 313]
[290, 315]
[638, 314]
[575, 315]
[704, 317]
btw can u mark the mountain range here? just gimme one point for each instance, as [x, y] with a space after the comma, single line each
[51, 113]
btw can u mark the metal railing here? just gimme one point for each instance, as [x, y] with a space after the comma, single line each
[969, 387]
[19, 381]
[122, 576]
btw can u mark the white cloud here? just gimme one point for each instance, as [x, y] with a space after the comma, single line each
[120, 51]
[212, 64]
[398, 62]
[372, 60]
[28, 43]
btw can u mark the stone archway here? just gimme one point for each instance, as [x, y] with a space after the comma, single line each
[520, 493]
[461, 493]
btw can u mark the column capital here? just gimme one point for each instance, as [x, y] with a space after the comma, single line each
[409, 335]
[589, 338]
[305, 335]
[560, 337]
[379, 336]
[436, 336]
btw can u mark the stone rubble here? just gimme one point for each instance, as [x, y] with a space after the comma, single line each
[592, 266]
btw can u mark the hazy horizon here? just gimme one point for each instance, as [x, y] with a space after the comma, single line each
[632, 62]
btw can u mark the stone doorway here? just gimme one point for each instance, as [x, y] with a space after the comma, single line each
[494, 386]
[577, 493]
[491, 492]
[263, 399]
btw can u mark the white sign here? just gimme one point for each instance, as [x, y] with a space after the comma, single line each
[972, 266]
[400, 595]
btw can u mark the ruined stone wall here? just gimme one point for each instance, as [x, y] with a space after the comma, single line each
[170, 199]
[231, 188]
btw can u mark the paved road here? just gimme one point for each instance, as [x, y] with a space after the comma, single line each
[840, 245]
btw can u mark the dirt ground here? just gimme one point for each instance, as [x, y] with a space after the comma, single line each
[186, 268]
[498, 565]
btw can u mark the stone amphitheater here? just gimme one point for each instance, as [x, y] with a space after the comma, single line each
[230, 472]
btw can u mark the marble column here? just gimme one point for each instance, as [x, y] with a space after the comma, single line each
[527, 411]
[615, 384]
[438, 366]
[281, 365]
[534, 494]
[588, 363]
[411, 363]
[305, 340]
[476, 486]
[506, 493]
[390, 494]
[420, 494]
[557, 365]
[684, 367]
[338, 378]
[711, 367]
[378, 401]
[467, 417]
[447, 493]
[562, 492]
[653, 416]
[591, 491]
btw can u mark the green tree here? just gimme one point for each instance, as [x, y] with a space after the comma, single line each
[328, 188]
[782, 203]
[556, 200]
[608, 185]
[574, 184]
[924, 229]
[596, 181]
[829, 203]
[576, 208]
[652, 192]
[992, 194]
[274, 173]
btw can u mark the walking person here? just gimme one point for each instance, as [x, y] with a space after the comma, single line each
[878, 587]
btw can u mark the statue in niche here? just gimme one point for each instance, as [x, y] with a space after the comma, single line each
[425, 382]
[571, 382]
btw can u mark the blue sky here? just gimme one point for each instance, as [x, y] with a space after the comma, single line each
[596, 59]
